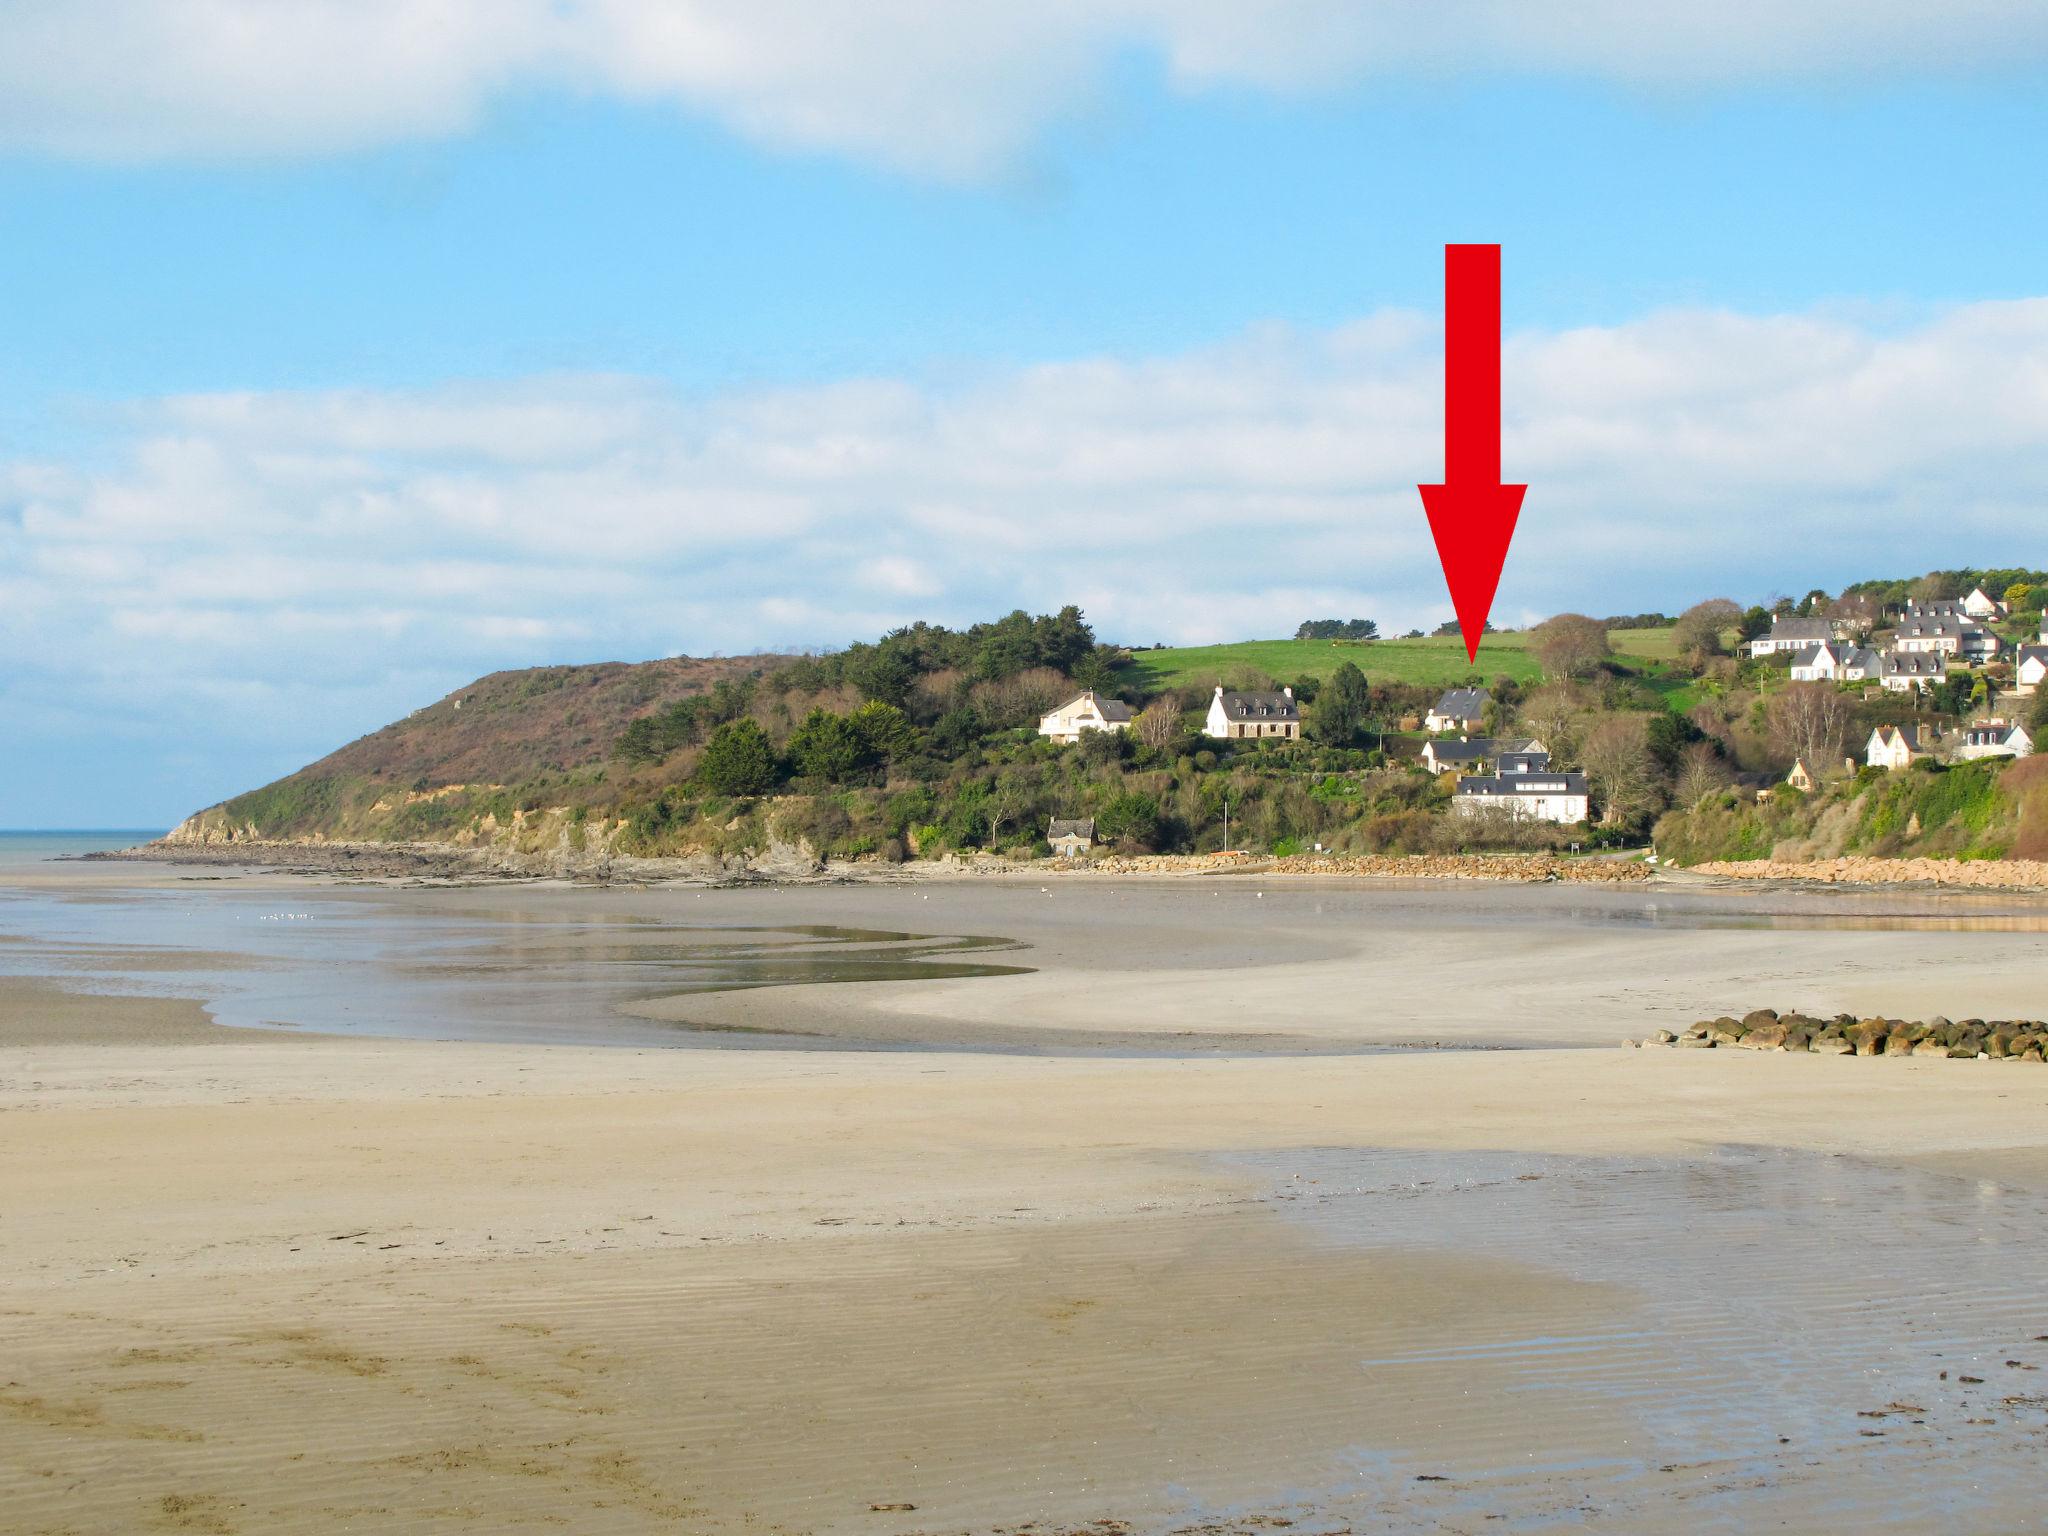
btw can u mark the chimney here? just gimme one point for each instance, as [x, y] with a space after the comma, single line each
[1288, 691]
[1219, 690]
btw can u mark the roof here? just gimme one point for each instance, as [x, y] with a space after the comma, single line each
[1260, 706]
[1913, 664]
[1909, 734]
[1113, 710]
[2030, 653]
[1460, 751]
[1521, 744]
[1462, 704]
[1784, 627]
[1071, 826]
[1492, 785]
[1935, 626]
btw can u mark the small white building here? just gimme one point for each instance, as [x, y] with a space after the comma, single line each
[1993, 738]
[1084, 712]
[1545, 796]
[1253, 716]
[1461, 709]
[1801, 777]
[1894, 747]
[1905, 671]
[2030, 667]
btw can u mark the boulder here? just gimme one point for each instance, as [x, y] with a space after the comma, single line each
[1966, 1049]
[1866, 1036]
[1898, 1045]
[1931, 1046]
[1664, 1037]
[1763, 1037]
[1833, 1045]
[1998, 1043]
[1726, 1031]
[1798, 1038]
[2031, 1053]
[1697, 1042]
[1759, 1018]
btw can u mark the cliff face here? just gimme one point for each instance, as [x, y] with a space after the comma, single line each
[514, 760]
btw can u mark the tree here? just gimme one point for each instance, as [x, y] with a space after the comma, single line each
[1550, 715]
[1699, 629]
[1618, 762]
[1158, 724]
[827, 747]
[1700, 772]
[885, 731]
[1755, 621]
[1809, 722]
[1570, 645]
[1341, 706]
[2020, 597]
[738, 760]
[1128, 817]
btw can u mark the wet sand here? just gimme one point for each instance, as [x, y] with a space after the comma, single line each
[406, 1285]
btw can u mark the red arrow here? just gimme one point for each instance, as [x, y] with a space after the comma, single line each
[1472, 514]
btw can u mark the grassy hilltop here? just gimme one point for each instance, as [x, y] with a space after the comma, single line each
[1437, 661]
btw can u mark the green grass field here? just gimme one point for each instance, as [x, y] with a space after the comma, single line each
[1436, 661]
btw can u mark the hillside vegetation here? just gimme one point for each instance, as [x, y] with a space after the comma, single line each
[923, 743]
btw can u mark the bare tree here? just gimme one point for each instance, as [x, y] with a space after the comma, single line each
[1551, 716]
[1700, 628]
[1570, 645]
[1700, 773]
[1809, 721]
[1623, 773]
[1158, 725]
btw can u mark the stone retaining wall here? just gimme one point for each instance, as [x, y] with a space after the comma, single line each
[1994, 874]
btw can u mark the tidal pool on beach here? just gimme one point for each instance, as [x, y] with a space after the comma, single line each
[1812, 1333]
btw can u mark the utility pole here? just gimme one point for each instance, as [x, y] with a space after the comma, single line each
[1226, 823]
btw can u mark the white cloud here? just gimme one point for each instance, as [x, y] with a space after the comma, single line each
[947, 89]
[270, 573]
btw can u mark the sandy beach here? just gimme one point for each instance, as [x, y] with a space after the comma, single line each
[266, 1278]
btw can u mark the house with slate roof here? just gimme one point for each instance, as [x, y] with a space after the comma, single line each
[1461, 709]
[1993, 738]
[1253, 716]
[1085, 712]
[2030, 666]
[1792, 634]
[1526, 788]
[1071, 836]
[1895, 747]
[1904, 671]
[1834, 661]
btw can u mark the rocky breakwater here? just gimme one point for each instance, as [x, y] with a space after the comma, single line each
[1383, 866]
[1845, 1035]
[1987, 874]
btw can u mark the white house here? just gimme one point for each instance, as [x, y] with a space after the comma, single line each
[1894, 746]
[1833, 661]
[1466, 755]
[1801, 777]
[1792, 634]
[1946, 635]
[1981, 605]
[1253, 716]
[1461, 709]
[2030, 667]
[1993, 738]
[1904, 671]
[1542, 796]
[1084, 712]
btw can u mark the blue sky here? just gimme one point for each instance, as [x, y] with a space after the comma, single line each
[542, 345]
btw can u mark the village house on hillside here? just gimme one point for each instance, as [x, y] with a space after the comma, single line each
[1895, 746]
[1904, 671]
[1084, 712]
[1461, 709]
[2030, 663]
[1801, 777]
[1242, 716]
[1792, 634]
[1071, 836]
[1834, 661]
[1978, 604]
[1465, 755]
[1526, 789]
[1947, 635]
[1993, 738]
